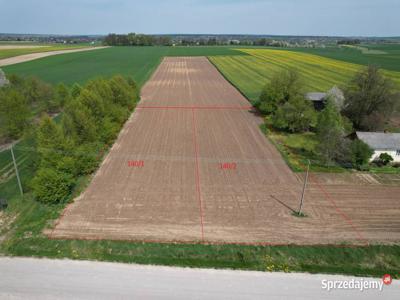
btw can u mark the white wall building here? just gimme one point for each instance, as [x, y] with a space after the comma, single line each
[382, 142]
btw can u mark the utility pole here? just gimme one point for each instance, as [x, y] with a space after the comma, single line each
[16, 171]
[304, 188]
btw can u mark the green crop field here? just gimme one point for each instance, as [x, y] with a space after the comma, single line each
[386, 56]
[138, 62]
[6, 53]
[250, 73]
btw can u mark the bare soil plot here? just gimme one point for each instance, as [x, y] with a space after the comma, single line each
[32, 56]
[192, 165]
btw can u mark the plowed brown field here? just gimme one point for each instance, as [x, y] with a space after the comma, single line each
[201, 170]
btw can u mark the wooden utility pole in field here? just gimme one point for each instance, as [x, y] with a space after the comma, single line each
[16, 172]
[304, 188]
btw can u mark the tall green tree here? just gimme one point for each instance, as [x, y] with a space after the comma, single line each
[62, 95]
[282, 87]
[370, 99]
[330, 133]
[78, 123]
[14, 113]
[75, 90]
[296, 115]
[39, 93]
[50, 143]
[124, 94]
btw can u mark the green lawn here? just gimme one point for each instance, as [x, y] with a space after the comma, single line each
[138, 62]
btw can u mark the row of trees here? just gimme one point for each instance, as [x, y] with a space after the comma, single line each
[22, 99]
[68, 149]
[133, 39]
[370, 98]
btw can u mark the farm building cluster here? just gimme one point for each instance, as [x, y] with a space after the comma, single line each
[379, 142]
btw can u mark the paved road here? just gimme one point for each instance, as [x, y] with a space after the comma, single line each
[28, 278]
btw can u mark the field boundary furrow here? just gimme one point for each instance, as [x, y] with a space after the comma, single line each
[197, 173]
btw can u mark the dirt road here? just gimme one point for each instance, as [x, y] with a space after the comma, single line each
[32, 56]
[11, 46]
[191, 164]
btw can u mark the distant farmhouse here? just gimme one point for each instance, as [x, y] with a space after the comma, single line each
[3, 79]
[319, 99]
[381, 142]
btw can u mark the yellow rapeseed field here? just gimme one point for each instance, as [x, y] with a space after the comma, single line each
[251, 72]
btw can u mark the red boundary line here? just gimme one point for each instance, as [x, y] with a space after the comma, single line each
[360, 237]
[195, 145]
[193, 108]
[344, 216]
[197, 107]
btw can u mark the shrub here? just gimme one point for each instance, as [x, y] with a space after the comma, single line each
[51, 186]
[360, 153]
[385, 158]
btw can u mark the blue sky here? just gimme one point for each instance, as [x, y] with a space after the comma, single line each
[281, 17]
